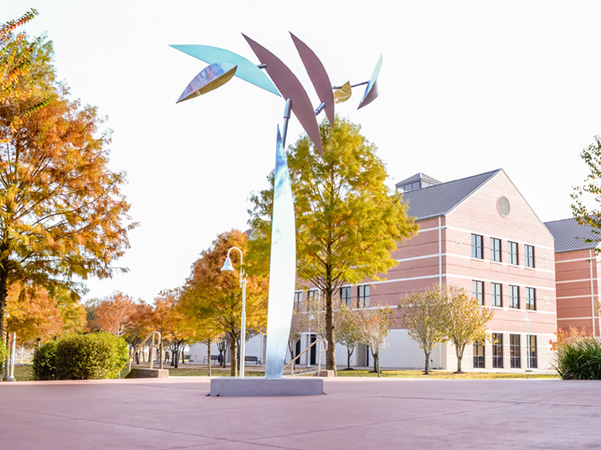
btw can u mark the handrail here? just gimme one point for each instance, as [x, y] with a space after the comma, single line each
[152, 349]
[319, 352]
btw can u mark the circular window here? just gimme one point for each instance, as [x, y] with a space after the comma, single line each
[503, 206]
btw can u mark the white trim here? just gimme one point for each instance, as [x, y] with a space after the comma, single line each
[439, 251]
[424, 230]
[435, 255]
[406, 279]
[577, 259]
[575, 318]
[574, 296]
[573, 281]
[465, 277]
[498, 237]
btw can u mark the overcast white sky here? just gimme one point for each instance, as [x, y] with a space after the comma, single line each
[465, 87]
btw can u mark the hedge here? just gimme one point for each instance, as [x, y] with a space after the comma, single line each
[580, 360]
[81, 357]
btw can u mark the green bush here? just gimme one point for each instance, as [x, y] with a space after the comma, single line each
[90, 356]
[580, 360]
[44, 361]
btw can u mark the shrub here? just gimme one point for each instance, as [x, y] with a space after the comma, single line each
[44, 361]
[580, 360]
[90, 356]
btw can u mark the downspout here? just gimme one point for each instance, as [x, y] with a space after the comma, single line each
[439, 251]
[592, 291]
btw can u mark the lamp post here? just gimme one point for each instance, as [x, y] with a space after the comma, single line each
[229, 267]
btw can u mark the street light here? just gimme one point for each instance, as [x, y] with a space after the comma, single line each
[229, 267]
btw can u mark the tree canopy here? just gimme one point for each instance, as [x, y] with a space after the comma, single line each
[586, 206]
[347, 220]
[63, 215]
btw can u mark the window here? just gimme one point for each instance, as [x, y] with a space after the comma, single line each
[514, 297]
[479, 355]
[477, 246]
[298, 298]
[495, 249]
[514, 351]
[529, 255]
[497, 350]
[363, 295]
[478, 291]
[532, 359]
[496, 292]
[312, 296]
[531, 298]
[513, 253]
[345, 296]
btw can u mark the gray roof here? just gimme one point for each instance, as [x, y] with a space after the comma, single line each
[418, 177]
[570, 235]
[437, 200]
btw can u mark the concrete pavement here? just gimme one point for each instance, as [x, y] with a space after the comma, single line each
[355, 413]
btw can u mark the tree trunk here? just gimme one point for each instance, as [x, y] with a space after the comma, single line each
[234, 364]
[3, 297]
[376, 356]
[427, 368]
[459, 352]
[330, 333]
[209, 357]
[349, 353]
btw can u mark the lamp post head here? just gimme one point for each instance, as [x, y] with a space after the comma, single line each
[227, 265]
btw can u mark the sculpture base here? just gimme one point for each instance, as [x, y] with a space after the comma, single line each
[263, 387]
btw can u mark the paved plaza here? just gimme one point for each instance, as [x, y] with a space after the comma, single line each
[355, 413]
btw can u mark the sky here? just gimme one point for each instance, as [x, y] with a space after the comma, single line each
[465, 87]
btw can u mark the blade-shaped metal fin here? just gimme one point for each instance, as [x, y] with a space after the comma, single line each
[290, 88]
[318, 75]
[247, 70]
[371, 91]
[211, 77]
[282, 267]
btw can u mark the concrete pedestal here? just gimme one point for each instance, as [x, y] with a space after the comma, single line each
[262, 387]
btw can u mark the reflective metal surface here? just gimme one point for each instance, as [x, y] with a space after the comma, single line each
[343, 93]
[371, 91]
[282, 267]
[318, 75]
[211, 77]
[290, 88]
[247, 70]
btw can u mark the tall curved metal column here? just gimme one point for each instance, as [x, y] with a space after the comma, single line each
[282, 267]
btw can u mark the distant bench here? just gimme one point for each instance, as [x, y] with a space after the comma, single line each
[253, 359]
[214, 358]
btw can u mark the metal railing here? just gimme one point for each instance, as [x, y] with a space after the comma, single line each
[153, 346]
[322, 347]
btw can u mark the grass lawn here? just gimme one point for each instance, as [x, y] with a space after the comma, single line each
[25, 373]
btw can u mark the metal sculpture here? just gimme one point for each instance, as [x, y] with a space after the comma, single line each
[224, 65]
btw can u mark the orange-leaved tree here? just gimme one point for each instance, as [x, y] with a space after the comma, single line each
[216, 296]
[62, 212]
[114, 314]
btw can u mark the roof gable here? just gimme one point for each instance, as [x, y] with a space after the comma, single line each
[438, 200]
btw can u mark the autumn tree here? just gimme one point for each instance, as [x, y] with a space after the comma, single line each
[114, 314]
[586, 206]
[424, 315]
[374, 325]
[466, 320]
[348, 331]
[217, 296]
[347, 220]
[62, 213]
[299, 324]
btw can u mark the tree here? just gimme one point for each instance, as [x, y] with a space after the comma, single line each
[586, 206]
[62, 213]
[217, 295]
[348, 330]
[374, 324]
[466, 321]
[347, 220]
[424, 315]
[115, 314]
[299, 324]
